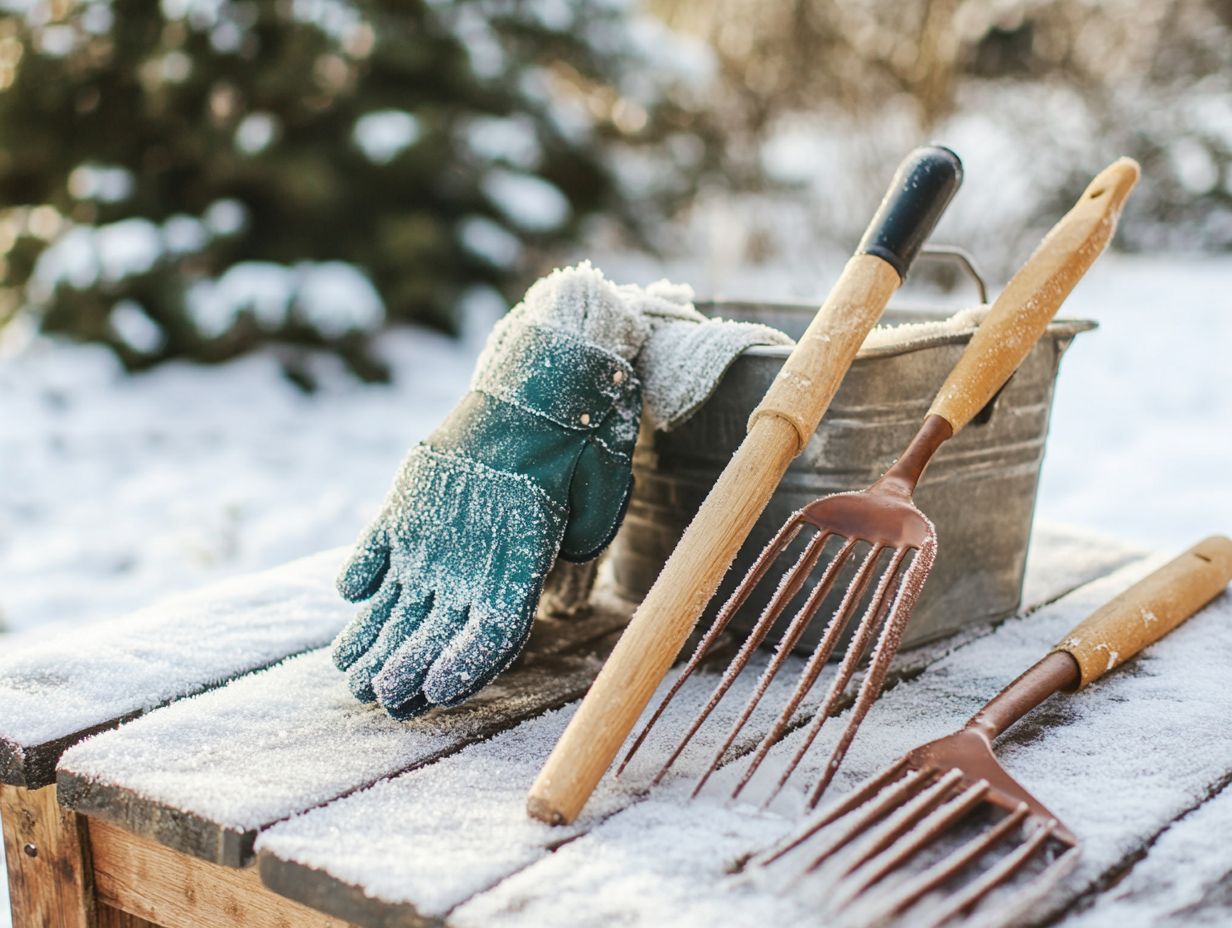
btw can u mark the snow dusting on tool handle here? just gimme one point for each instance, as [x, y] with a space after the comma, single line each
[533, 464]
[794, 405]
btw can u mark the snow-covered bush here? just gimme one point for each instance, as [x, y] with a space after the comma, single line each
[195, 177]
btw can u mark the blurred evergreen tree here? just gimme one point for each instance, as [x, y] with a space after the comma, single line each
[195, 177]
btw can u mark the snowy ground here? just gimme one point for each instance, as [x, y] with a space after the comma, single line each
[117, 490]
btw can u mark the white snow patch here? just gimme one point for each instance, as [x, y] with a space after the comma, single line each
[55, 685]
[530, 202]
[382, 135]
[134, 326]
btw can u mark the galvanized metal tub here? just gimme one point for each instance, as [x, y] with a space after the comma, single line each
[979, 491]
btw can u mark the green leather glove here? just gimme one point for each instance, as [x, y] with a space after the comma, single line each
[534, 462]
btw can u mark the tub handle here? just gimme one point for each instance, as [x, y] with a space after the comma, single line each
[960, 256]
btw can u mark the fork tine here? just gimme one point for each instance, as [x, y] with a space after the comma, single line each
[1004, 868]
[784, 537]
[851, 660]
[935, 825]
[945, 868]
[812, 670]
[790, 636]
[849, 803]
[907, 795]
[788, 587]
[905, 594]
[905, 818]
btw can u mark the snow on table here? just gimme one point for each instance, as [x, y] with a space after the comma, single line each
[432, 851]
[57, 689]
[204, 774]
[1117, 762]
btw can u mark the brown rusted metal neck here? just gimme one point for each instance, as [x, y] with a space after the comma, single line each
[903, 476]
[1057, 671]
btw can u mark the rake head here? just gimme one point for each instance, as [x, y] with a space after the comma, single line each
[883, 547]
[949, 818]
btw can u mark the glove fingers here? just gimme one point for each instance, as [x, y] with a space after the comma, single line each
[402, 677]
[411, 709]
[407, 616]
[364, 570]
[362, 631]
[486, 646]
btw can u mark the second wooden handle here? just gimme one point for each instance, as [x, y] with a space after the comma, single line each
[1030, 300]
[1150, 608]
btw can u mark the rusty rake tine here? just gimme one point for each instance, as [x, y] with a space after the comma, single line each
[1004, 868]
[931, 828]
[941, 871]
[846, 669]
[897, 796]
[812, 670]
[854, 800]
[849, 803]
[905, 818]
[786, 592]
[792, 634]
[883, 654]
[785, 536]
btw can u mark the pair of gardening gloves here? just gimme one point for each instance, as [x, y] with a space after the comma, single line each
[533, 464]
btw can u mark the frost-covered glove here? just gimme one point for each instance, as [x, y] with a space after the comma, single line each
[533, 463]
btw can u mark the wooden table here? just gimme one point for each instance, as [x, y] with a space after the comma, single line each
[235, 782]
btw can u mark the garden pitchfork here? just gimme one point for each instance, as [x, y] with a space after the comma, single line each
[778, 430]
[881, 525]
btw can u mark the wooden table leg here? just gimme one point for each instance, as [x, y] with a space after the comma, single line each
[51, 880]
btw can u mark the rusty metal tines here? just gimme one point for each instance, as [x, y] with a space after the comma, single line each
[928, 795]
[900, 545]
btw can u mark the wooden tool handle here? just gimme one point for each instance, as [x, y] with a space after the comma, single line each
[777, 431]
[1025, 307]
[1149, 609]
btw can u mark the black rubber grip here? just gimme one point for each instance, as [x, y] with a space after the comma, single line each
[922, 188]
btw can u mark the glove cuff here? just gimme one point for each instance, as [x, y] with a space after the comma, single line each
[557, 376]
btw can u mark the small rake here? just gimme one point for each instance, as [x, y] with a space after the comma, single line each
[937, 788]
[884, 518]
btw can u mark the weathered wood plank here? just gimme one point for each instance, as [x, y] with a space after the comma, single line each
[57, 690]
[323, 891]
[114, 918]
[431, 818]
[172, 890]
[204, 776]
[48, 858]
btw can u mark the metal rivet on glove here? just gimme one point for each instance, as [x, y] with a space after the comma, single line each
[584, 418]
[618, 376]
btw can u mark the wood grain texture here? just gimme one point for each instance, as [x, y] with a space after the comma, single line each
[114, 918]
[33, 766]
[662, 623]
[1027, 304]
[48, 858]
[802, 390]
[560, 662]
[325, 892]
[1150, 608]
[173, 890]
